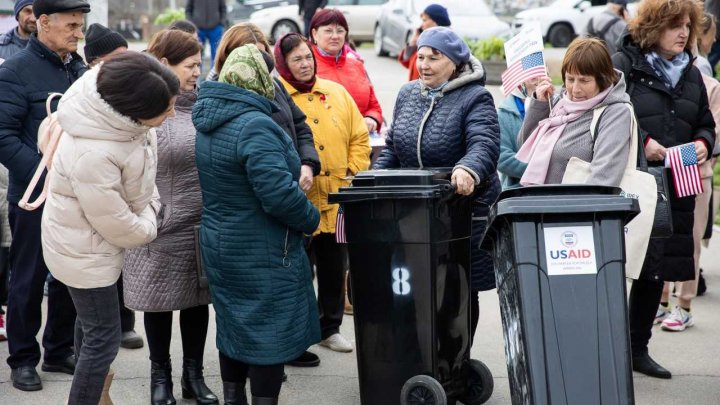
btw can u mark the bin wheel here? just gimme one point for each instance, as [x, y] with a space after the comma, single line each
[422, 390]
[480, 384]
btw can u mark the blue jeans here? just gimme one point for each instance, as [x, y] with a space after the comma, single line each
[97, 341]
[213, 36]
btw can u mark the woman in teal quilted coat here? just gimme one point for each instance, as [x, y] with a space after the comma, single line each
[251, 236]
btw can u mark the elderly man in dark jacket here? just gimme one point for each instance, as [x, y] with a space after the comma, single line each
[17, 38]
[209, 17]
[48, 64]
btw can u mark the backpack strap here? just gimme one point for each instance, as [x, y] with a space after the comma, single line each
[50, 133]
[606, 27]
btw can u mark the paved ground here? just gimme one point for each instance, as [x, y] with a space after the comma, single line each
[692, 356]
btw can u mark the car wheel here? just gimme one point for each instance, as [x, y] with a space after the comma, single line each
[283, 27]
[560, 35]
[378, 42]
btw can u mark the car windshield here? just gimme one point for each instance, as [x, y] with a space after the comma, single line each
[476, 8]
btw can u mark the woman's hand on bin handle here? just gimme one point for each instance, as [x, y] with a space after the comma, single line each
[463, 181]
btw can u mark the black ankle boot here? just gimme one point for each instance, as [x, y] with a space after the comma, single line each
[234, 393]
[193, 384]
[161, 386]
[643, 363]
[264, 401]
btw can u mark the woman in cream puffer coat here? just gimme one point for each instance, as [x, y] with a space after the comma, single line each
[102, 199]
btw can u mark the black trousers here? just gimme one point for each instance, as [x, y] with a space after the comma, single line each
[25, 296]
[4, 276]
[265, 381]
[474, 313]
[642, 306]
[329, 259]
[193, 331]
[127, 316]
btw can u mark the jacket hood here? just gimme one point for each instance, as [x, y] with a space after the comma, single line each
[82, 113]
[472, 71]
[219, 103]
[509, 105]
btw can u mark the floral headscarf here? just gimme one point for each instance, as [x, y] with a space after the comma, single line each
[246, 68]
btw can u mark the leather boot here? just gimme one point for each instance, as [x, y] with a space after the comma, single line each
[264, 401]
[234, 393]
[193, 383]
[643, 363]
[161, 386]
[105, 396]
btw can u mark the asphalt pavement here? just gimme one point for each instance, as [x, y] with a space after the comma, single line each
[692, 356]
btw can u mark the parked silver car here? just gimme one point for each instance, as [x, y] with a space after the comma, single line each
[240, 10]
[398, 19]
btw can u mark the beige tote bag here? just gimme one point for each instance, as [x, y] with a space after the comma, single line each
[635, 184]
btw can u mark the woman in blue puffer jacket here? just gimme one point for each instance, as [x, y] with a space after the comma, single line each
[447, 119]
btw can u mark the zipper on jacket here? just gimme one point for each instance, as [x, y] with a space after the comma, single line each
[286, 261]
[433, 101]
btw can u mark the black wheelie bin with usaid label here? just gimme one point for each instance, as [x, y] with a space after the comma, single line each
[408, 238]
[559, 255]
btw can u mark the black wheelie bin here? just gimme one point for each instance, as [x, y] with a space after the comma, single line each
[559, 255]
[408, 239]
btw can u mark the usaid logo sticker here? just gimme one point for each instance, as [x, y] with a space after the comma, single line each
[569, 239]
[570, 250]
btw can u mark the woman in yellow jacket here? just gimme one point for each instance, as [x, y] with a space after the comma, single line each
[343, 144]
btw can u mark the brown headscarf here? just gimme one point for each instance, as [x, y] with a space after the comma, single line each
[282, 67]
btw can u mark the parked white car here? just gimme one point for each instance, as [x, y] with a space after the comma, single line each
[563, 20]
[360, 15]
[398, 20]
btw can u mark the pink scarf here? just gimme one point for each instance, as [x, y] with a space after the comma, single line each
[538, 148]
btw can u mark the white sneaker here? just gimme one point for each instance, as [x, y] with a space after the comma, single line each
[662, 313]
[678, 321]
[338, 343]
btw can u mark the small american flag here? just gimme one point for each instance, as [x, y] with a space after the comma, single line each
[528, 67]
[683, 162]
[340, 227]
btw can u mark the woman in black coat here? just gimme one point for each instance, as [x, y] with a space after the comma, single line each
[448, 119]
[672, 109]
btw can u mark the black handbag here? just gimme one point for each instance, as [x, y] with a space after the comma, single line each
[662, 226]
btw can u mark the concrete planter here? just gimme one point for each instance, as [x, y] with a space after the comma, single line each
[493, 69]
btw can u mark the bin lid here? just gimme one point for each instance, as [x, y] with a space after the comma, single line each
[562, 199]
[396, 184]
[558, 199]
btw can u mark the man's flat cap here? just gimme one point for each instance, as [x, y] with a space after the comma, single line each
[48, 7]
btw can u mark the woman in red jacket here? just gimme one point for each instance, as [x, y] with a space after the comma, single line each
[328, 32]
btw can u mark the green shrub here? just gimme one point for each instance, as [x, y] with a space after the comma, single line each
[491, 49]
[169, 16]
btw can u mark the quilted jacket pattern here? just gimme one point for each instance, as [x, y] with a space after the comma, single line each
[456, 128]
[253, 220]
[101, 197]
[162, 275]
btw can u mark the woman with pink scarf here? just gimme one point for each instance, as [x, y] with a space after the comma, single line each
[550, 137]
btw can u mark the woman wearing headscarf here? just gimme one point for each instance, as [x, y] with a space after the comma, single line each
[260, 282]
[162, 277]
[288, 116]
[671, 104]
[343, 144]
[447, 119]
